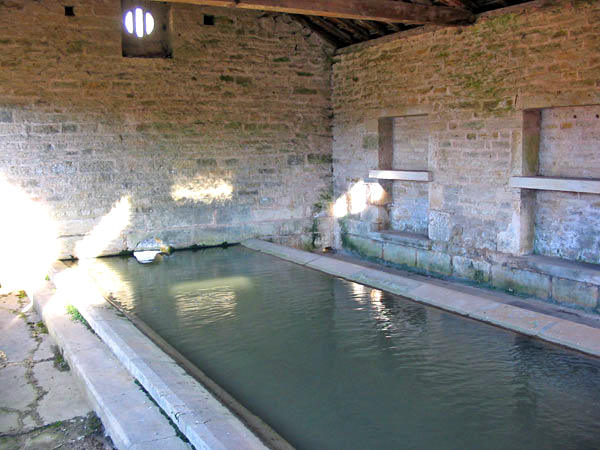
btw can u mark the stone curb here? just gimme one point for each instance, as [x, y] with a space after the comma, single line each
[205, 422]
[128, 415]
[555, 330]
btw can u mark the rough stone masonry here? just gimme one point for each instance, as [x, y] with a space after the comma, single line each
[516, 94]
[229, 138]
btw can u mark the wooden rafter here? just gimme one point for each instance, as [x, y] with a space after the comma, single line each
[331, 29]
[376, 28]
[329, 38]
[351, 28]
[377, 10]
[464, 4]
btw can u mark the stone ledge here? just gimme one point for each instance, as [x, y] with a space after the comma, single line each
[558, 267]
[403, 238]
[567, 282]
[586, 186]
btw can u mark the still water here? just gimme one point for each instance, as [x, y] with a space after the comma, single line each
[332, 364]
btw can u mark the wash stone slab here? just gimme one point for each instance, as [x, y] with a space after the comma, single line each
[386, 281]
[450, 300]
[517, 319]
[291, 254]
[580, 337]
[335, 267]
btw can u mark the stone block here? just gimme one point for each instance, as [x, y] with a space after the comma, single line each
[435, 262]
[439, 226]
[399, 254]
[574, 292]
[363, 246]
[471, 269]
[521, 281]
[377, 216]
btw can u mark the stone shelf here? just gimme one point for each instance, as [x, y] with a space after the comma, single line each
[583, 185]
[404, 175]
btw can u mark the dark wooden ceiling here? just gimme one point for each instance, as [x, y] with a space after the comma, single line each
[342, 32]
[347, 22]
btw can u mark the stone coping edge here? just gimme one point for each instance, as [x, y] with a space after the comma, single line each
[129, 417]
[200, 417]
[568, 334]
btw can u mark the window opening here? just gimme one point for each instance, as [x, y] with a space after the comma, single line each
[146, 29]
[139, 22]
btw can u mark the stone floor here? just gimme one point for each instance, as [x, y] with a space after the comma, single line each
[41, 405]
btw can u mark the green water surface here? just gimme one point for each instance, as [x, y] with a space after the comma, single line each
[331, 364]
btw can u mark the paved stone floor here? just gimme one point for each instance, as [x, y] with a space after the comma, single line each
[41, 405]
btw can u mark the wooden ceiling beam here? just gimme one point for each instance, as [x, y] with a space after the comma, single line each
[377, 10]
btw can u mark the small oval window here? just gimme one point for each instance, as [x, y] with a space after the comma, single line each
[138, 22]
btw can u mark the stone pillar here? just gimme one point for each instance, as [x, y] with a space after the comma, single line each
[525, 162]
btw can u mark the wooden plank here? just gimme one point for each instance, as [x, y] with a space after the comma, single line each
[583, 185]
[378, 10]
[346, 24]
[374, 28]
[331, 29]
[405, 175]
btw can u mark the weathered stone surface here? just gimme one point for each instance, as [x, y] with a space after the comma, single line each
[377, 216]
[17, 392]
[399, 254]
[439, 226]
[363, 246]
[153, 244]
[471, 269]
[435, 262]
[569, 291]
[521, 281]
[494, 117]
[64, 399]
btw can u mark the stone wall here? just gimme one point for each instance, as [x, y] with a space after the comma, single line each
[230, 138]
[478, 87]
[410, 200]
[566, 223]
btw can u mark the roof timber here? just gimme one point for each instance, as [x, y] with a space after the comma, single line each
[376, 10]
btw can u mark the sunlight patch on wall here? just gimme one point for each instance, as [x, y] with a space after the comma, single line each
[357, 198]
[106, 231]
[29, 239]
[202, 189]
